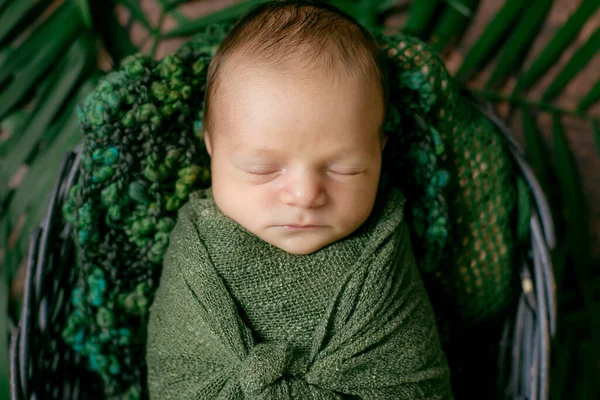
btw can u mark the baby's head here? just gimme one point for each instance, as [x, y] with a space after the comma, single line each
[294, 114]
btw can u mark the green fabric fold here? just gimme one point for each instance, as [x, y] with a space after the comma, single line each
[237, 318]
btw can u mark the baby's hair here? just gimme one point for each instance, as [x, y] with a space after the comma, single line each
[302, 36]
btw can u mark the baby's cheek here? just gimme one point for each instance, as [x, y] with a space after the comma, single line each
[358, 204]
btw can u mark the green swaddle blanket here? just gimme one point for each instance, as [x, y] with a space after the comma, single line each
[235, 317]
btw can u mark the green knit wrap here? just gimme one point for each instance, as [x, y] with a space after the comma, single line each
[237, 318]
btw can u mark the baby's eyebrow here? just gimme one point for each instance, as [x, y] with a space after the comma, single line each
[247, 149]
[239, 148]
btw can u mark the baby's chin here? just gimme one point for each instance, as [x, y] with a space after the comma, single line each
[303, 243]
[301, 249]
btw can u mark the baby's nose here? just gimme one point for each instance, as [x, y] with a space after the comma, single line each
[304, 190]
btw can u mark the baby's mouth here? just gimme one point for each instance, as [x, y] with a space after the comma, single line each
[300, 227]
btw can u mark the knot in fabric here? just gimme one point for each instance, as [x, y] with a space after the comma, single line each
[264, 366]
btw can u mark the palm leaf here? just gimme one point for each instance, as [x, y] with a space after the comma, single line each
[84, 10]
[575, 212]
[14, 132]
[115, 37]
[174, 12]
[136, 12]
[596, 130]
[31, 198]
[227, 14]
[557, 45]
[420, 14]
[169, 5]
[364, 11]
[388, 5]
[11, 127]
[575, 64]
[452, 23]
[17, 57]
[14, 14]
[537, 153]
[576, 216]
[71, 67]
[4, 52]
[490, 39]
[24, 76]
[4, 332]
[519, 41]
[591, 97]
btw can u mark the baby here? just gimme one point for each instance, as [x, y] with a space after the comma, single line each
[293, 276]
[294, 116]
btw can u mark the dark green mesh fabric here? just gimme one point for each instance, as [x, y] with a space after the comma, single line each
[463, 149]
[143, 155]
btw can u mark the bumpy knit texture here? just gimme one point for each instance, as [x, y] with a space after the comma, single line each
[235, 317]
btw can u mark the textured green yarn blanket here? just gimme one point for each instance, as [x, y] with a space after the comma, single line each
[237, 318]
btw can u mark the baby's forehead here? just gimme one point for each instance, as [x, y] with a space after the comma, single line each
[260, 96]
[245, 95]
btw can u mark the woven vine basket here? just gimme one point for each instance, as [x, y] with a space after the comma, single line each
[49, 356]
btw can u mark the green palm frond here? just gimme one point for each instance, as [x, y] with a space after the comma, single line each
[45, 65]
[519, 41]
[579, 60]
[452, 23]
[4, 330]
[421, 13]
[491, 39]
[591, 97]
[557, 45]
[596, 130]
[227, 14]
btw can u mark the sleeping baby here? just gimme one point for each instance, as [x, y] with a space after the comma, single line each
[293, 276]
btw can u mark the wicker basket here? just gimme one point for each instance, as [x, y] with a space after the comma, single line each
[43, 367]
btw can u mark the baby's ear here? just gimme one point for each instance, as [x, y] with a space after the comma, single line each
[207, 143]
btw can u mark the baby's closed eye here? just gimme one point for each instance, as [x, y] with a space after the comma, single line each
[337, 170]
[260, 171]
[349, 171]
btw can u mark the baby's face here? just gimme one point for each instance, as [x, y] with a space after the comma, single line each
[295, 162]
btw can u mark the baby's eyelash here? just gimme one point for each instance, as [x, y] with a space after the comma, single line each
[259, 173]
[345, 168]
[347, 173]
